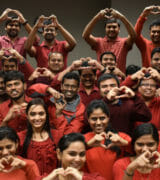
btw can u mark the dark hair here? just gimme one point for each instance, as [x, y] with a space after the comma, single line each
[108, 52]
[8, 133]
[14, 75]
[104, 77]
[131, 69]
[71, 75]
[46, 127]
[154, 23]
[144, 129]
[112, 20]
[66, 140]
[85, 64]
[155, 50]
[12, 19]
[10, 60]
[96, 104]
[2, 74]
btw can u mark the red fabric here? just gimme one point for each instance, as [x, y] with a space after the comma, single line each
[101, 160]
[121, 165]
[29, 172]
[85, 98]
[42, 52]
[44, 152]
[117, 46]
[144, 45]
[76, 125]
[126, 112]
[19, 123]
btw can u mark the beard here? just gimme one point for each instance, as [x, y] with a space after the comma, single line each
[18, 97]
[49, 37]
[12, 33]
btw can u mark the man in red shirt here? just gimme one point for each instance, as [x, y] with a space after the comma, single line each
[111, 42]
[50, 43]
[144, 45]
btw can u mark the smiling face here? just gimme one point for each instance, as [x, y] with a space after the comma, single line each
[7, 147]
[112, 30]
[148, 88]
[15, 89]
[98, 121]
[36, 116]
[13, 29]
[155, 61]
[155, 34]
[49, 33]
[73, 156]
[145, 143]
[108, 60]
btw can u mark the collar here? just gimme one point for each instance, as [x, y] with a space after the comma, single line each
[115, 40]
[26, 98]
[82, 89]
[6, 38]
[43, 44]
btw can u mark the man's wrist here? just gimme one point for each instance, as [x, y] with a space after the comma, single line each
[25, 22]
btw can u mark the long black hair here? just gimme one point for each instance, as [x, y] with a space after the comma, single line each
[46, 127]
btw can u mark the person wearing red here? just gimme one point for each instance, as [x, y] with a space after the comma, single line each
[103, 142]
[12, 111]
[111, 42]
[39, 142]
[145, 161]
[144, 45]
[125, 107]
[13, 167]
[66, 110]
[71, 152]
[50, 44]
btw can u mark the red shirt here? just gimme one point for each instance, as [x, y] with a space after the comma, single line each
[117, 46]
[87, 98]
[19, 123]
[44, 152]
[101, 160]
[121, 165]
[29, 172]
[144, 45]
[42, 52]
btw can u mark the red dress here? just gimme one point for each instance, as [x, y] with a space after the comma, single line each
[43, 153]
[101, 160]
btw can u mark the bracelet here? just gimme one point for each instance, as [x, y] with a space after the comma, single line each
[23, 62]
[103, 70]
[128, 173]
[25, 23]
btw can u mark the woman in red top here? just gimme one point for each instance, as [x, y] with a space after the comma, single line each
[72, 154]
[104, 142]
[145, 162]
[38, 142]
[14, 167]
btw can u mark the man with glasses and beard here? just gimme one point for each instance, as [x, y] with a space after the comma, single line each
[12, 111]
[49, 27]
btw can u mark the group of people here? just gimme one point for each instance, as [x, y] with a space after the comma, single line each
[94, 119]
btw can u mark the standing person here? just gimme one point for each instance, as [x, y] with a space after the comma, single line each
[111, 42]
[50, 43]
[144, 45]
[12, 111]
[39, 142]
[13, 167]
[103, 141]
[71, 153]
[145, 161]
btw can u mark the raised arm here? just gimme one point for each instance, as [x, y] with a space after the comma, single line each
[71, 42]
[89, 38]
[131, 33]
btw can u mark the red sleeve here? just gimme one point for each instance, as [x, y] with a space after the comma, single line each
[128, 82]
[92, 176]
[38, 87]
[56, 84]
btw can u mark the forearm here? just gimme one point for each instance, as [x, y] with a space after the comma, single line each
[139, 25]
[61, 74]
[68, 37]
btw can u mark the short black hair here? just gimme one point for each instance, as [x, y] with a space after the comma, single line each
[14, 75]
[66, 140]
[71, 75]
[155, 50]
[112, 20]
[104, 77]
[131, 69]
[154, 23]
[108, 52]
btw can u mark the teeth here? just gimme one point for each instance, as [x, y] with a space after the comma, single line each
[14, 92]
